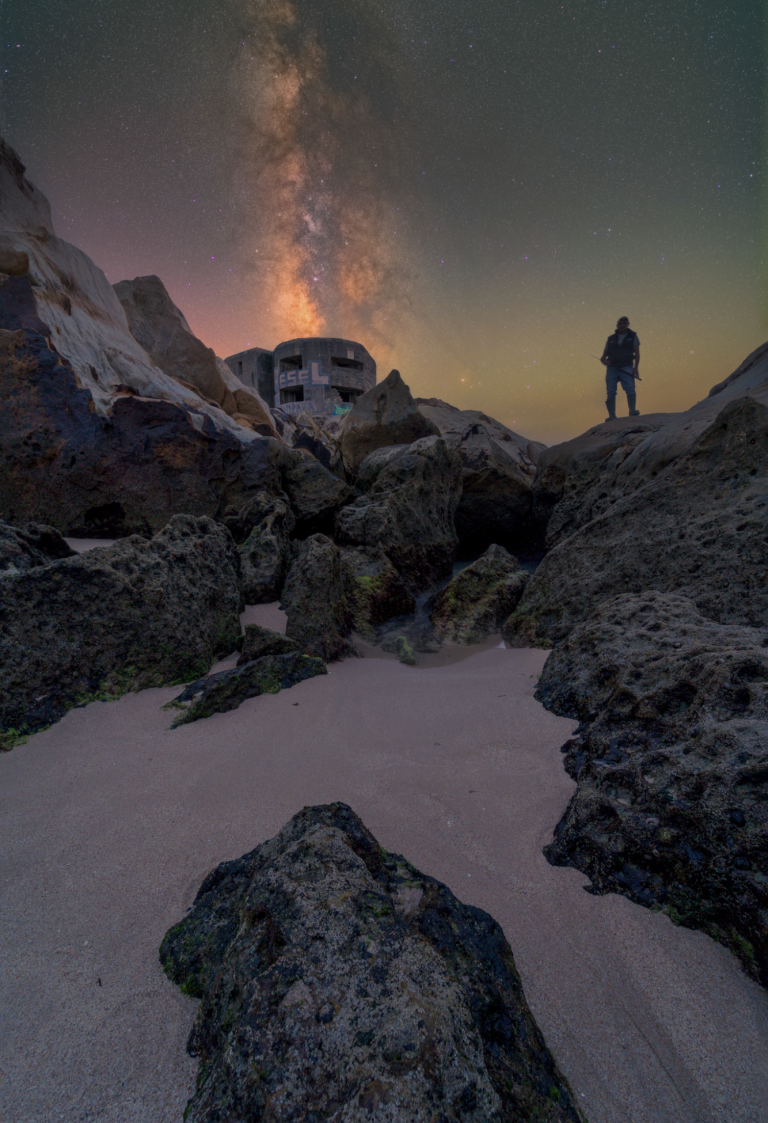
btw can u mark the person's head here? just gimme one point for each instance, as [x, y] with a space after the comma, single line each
[622, 324]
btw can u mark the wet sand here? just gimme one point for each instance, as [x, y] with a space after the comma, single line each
[110, 821]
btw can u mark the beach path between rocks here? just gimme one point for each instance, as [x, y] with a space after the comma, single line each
[110, 821]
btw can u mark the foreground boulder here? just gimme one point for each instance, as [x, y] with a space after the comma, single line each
[385, 415]
[21, 550]
[375, 590]
[127, 616]
[258, 641]
[266, 553]
[219, 693]
[699, 528]
[496, 498]
[477, 601]
[338, 982]
[671, 763]
[319, 616]
[409, 513]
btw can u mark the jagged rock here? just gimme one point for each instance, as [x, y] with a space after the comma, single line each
[454, 422]
[671, 763]
[127, 616]
[258, 641]
[496, 498]
[477, 601]
[385, 415]
[219, 693]
[318, 613]
[63, 464]
[375, 590]
[338, 982]
[699, 528]
[315, 494]
[409, 513]
[160, 327]
[266, 554]
[374, 463]
[21, 550]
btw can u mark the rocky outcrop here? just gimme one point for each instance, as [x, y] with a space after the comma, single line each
[160, 327]
[318, 613]
[385, 415]
[496, 498]
[338, 982]
[258, 641]
[455, 422]
[699, 528]
[64, 464]
[671, 763]
[126, 616]
[477, 601]
[266, 554]
[219, 693]
[21, 550]
[409, 513]
[375, 590]
[315, 494]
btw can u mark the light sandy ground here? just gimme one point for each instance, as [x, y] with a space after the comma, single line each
[110, 821]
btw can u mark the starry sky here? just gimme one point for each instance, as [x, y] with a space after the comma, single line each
[474, 189]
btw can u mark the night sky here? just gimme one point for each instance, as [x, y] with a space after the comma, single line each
[475, 191]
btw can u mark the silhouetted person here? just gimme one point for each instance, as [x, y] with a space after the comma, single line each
[621, 356]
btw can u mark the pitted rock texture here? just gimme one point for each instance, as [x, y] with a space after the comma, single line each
[375, 590]
[25, 549]
[339, 983]
[671, 763]
[219, 693]
[266, 554]
[258, 641]
[315, 494]
[126, 616]
[496, 498]
[478, 600]
[408, 512]
[384, 415]
[699, 529]
[319, 616]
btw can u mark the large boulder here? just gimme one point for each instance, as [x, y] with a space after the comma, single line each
[338, 982]
[21, 550]
[699, 528]
[259, 641]
[126, 616]
[409, 513]
[477, 601]
[160, 327]
[385, 415]
[315, 494]
[496, 498]
[88, 475]
[266, 554]
[318, 612]
[375, 590]
[671, 763]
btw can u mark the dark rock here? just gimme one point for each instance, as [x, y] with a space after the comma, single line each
[266, 554]
[671, 763]
[400, 646]
[269, 674]
[496, 499]
[314, 598]
[375, 590]
[477, 601]
[24, 549]
[88, 475]
[699, 528]
[315, 494]
[126, 616]
[375, 461]
[258, 641]
[409, 513]
[338, 982]
[385, 415]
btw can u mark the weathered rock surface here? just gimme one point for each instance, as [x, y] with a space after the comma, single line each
[699, 528]
[21, 550]
[339, 983]
[496, 497]
[452, 421]
[671, 763]
[87, 475]
[400, 646]
[375, 590]
[126, 616]
[315, 494]
[226, 690]
[385, 415]
[160, 327]
[478, 600]
[266, 554]
[258, 641]
[409, 513]
[319, 615]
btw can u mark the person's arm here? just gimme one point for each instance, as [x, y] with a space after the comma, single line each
[604, 356]
[636, 368]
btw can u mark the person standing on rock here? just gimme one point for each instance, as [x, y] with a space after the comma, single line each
[621, 355]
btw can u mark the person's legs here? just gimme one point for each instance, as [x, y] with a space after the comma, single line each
[628, 386]
[612, 376]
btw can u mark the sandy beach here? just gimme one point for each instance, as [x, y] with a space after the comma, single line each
[110, 821]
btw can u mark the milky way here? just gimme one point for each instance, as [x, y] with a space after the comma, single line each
[473, 190]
